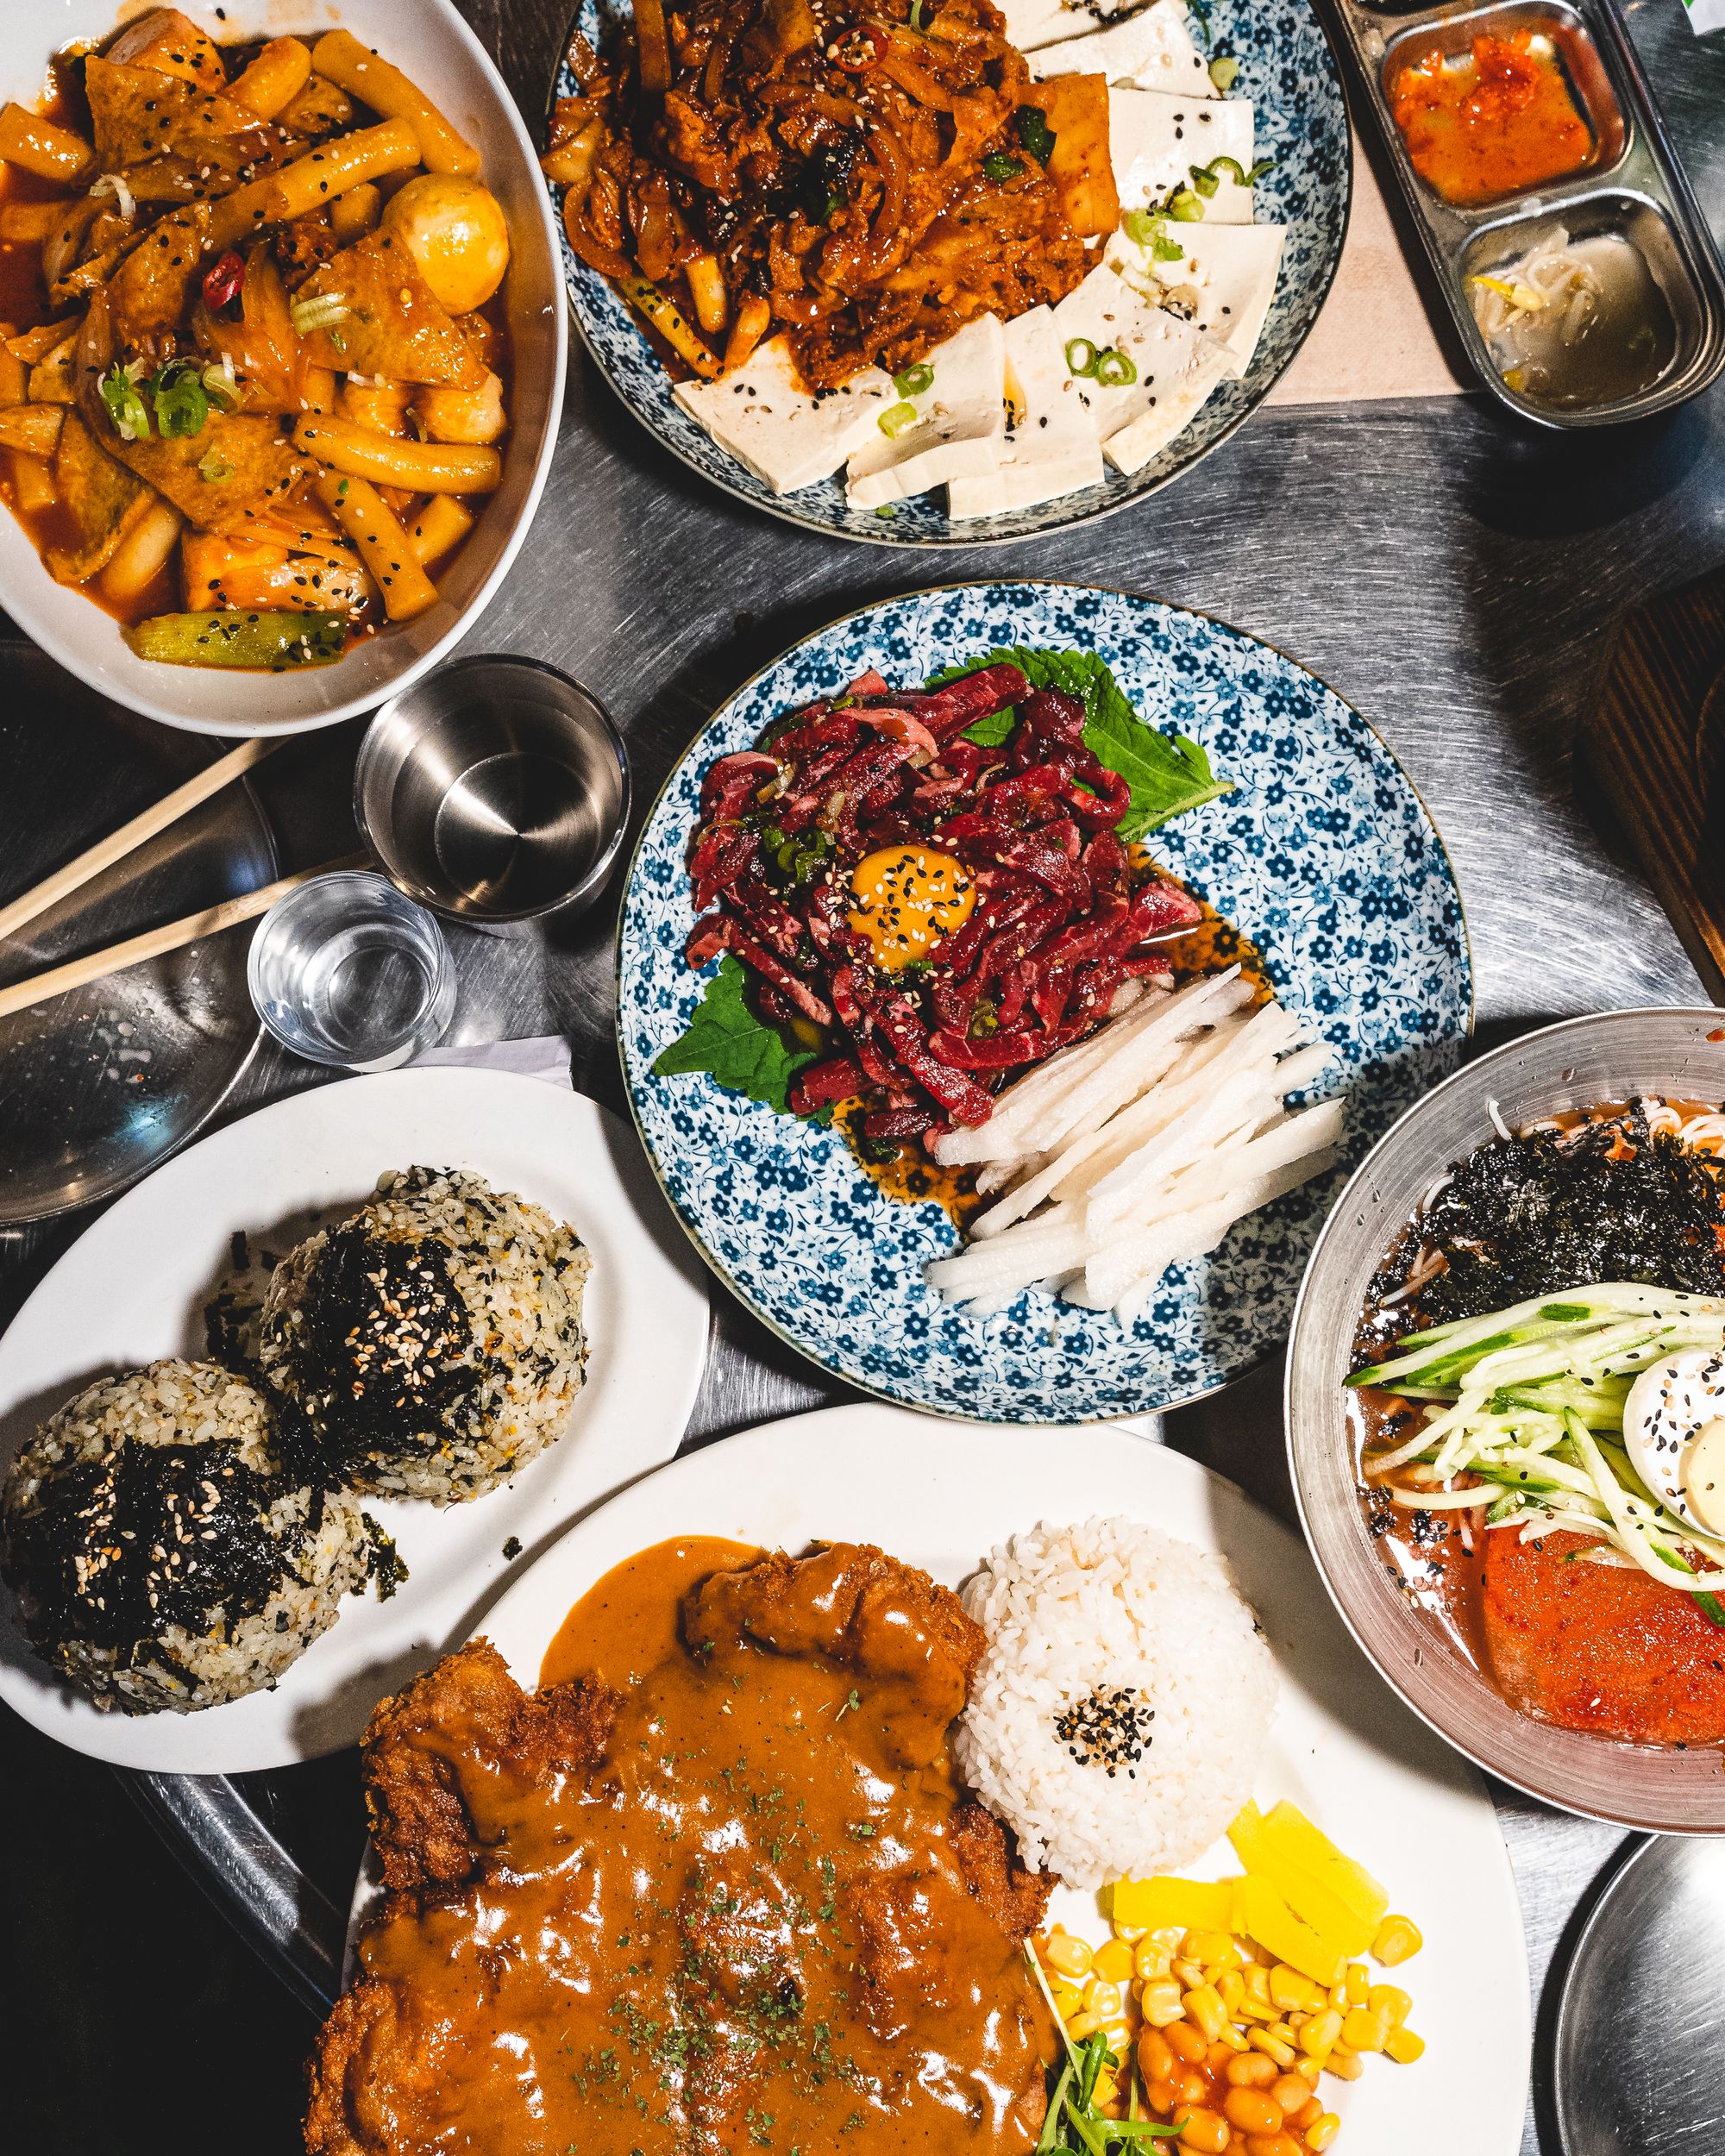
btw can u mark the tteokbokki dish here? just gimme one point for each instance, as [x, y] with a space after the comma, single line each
[253, 372]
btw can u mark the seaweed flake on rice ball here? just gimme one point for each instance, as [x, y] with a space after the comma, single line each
[434, 1342]
[162, 1553]
[1117, 1717]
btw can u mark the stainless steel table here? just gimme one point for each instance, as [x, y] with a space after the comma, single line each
[1452, 574]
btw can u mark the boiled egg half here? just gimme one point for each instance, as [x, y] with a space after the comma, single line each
[1674, 1432]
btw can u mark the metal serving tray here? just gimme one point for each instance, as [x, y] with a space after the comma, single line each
[1632, 186]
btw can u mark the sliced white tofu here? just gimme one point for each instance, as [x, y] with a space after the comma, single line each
[1034, 23]
[1152, 50]
[1225, 279]
[959, 425]
[1155, 140]
[785, 436]
[1157, 348]
[1050, 446]
[1132, 447]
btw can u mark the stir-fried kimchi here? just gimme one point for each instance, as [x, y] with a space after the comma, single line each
[946, 913]
[251, 373]
[864, 177]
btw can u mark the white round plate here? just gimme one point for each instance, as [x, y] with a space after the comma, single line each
[1342, 1746]
[428, 39]
[132, 1288]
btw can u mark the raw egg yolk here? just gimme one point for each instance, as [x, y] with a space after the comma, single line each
[907, 898]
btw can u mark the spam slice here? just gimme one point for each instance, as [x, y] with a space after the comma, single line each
[770, 422]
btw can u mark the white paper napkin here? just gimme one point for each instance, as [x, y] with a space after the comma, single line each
[546, 1056]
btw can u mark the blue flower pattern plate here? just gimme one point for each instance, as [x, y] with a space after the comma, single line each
[1324, 856]
[1289, 70]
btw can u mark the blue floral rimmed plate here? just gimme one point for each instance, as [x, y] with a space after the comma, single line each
[1288, 67]
[1324, 856]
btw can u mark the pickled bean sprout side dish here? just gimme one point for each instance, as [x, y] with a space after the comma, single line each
[253, 372]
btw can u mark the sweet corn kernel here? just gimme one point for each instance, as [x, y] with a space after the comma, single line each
[1320, 2034]
[1403, 2047]
[1130, 1934]
[1357, 1978]
[1338, 1997]
[1068, 1998]
[1113, 1962]
[1288, 1987]
[1188, 1972]
[1345, 2065]
[1308, 2070]
[1103, 2000]
[1153, 1958]
[1206, 1946]
[1108, 2086]
[1362, 2030]
[1204, 2006]
[1160, 2004]
[1398, 1940]
[1257, 1979]
[1272, 2047]
[1082, 2025]
[1392, 2003]
[1321, 2132]
[1068, 1955]
[1230, 1987]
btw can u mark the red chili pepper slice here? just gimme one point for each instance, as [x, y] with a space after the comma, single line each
[864, 46]
[222, 280]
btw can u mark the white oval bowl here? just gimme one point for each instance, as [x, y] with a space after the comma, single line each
[428, 39]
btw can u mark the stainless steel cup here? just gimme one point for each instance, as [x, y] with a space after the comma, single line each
[495, 791]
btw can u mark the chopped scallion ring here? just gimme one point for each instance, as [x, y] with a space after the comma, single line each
[1114, 369]
[1141, 227]
[1081, 356]
[1225, 71]
[911, 381]
[893, 421]
[1185, 206]
[1205, 179]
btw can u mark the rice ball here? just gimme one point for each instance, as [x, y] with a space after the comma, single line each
[434, 1342]
[162, 1554]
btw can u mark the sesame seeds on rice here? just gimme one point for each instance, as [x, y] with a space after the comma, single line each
[433, 1342]
[1116, 1719]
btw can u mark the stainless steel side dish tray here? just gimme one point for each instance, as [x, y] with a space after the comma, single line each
[1571, 252]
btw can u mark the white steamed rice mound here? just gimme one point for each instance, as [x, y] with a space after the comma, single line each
[1116, 1719]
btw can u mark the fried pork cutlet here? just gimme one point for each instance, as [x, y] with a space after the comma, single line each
[741, 1904]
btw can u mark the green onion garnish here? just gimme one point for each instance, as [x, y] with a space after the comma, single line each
[1224, 71]
[1185, 206]
[1204, 178]
[1081, 356]
[1114, 369]
[1035, 132]
[1141, 227]
[911, 381]
[125, 403]
[893, 421]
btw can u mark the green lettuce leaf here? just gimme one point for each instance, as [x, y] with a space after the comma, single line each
[1168, 773]
[738, 1050]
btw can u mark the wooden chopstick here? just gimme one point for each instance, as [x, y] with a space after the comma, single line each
[129, 836]
[78, 972]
